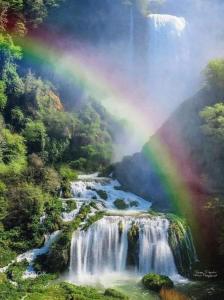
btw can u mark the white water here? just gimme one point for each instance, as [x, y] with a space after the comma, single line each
[84, 190]
[102, 251]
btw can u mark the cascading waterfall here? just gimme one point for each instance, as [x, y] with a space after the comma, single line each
[103, 248]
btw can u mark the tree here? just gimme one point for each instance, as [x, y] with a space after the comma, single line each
[12, 153]
[3, 97]
[26, 204]
[213, 117]
[214, 74]
[35, 135]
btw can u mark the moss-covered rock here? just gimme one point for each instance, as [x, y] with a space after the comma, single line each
[133, 245]
[120, 204]
[57, 259]
[102, 194]
[181, 243]
[156, 282]
[134, 204]
[92, 219]
[115, 294]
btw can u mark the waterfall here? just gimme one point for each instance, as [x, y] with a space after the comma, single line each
[103, 248]
[131, 35]
[168, 56]
[166, 38]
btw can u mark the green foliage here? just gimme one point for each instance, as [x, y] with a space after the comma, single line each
[15, 271]
[133, 251]
[181, 243]
[215, 76]
[9, 53]
[70, 205]
[18, 118]
[12, 153]
[92, 219]
[67, 173]
[57, 259]
[156, 282]
[213, 118]
[35, 135]
[3, 97]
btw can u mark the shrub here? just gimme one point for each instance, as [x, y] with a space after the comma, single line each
[67, 173]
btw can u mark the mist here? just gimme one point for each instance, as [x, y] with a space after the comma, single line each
[151, 52]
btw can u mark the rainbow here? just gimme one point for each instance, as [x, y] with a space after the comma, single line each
[113, 91]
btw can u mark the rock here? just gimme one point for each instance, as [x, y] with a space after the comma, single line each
[120, 204]
[156, 282]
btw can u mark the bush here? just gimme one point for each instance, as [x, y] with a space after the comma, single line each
[120, 204]
[70, 205]
[67, 173]
[156, 282]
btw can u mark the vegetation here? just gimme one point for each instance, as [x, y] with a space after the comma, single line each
[115, 294]
[44, 287]
[181, 243]
[133, 245]
[156, 282]
[43, 142]
[198, 126]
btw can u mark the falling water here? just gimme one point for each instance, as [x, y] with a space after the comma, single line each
[168, 57]
[166, 38]
[103, 248]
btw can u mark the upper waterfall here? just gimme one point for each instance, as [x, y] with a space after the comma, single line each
[175, 25]
[166, 39]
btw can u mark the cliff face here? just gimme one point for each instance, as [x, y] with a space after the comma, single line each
[183, 138]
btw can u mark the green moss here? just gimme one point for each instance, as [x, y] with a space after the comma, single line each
[115, 294]
[181, 243]
[92, 219]
[120, 204]
[133, 245]
[156, 282]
